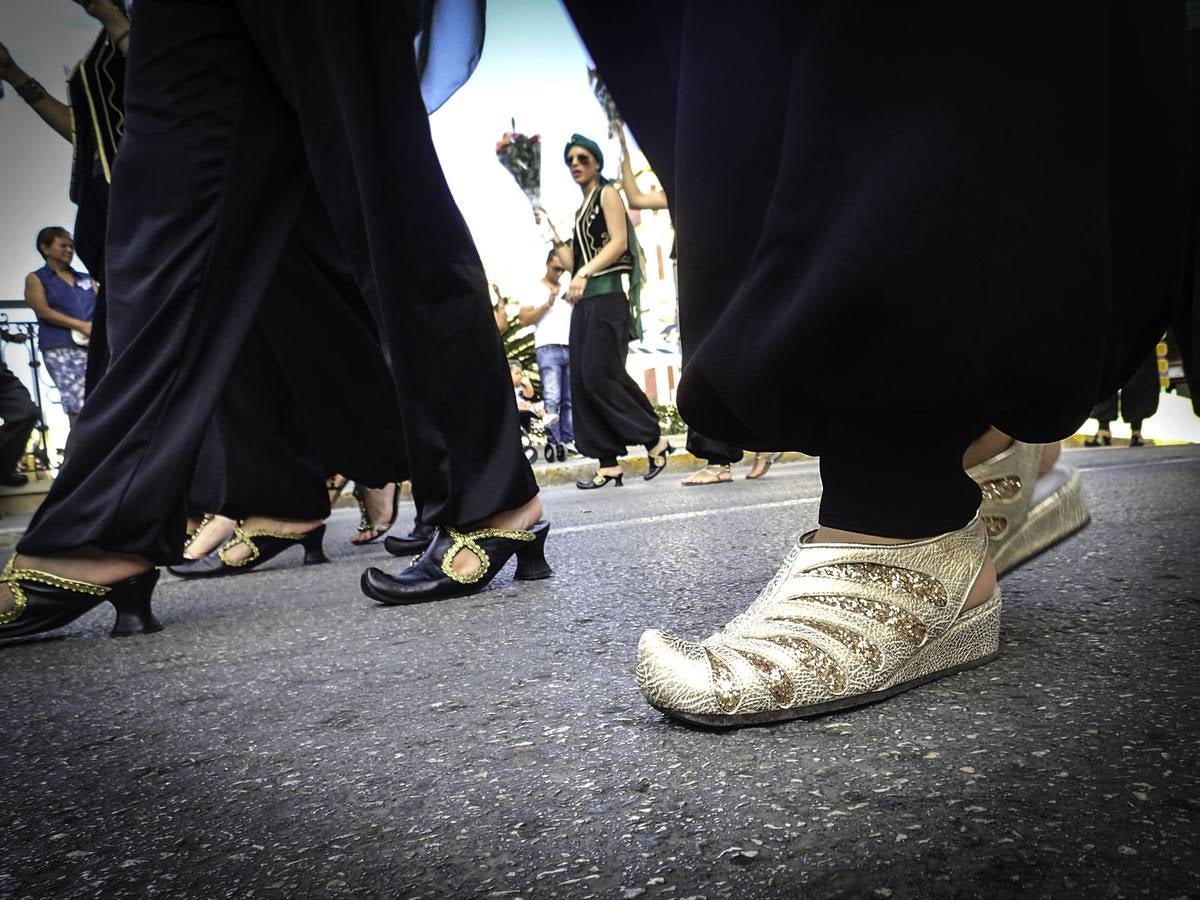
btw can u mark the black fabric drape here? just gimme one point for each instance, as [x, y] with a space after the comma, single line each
[895, 212]
[1137, 399]
[234, 110]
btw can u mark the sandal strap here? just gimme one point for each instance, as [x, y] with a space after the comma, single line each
[13, 578]
[192, 535]
[242, 536]
[467, 541]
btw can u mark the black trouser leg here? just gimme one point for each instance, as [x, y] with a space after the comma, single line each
[205, 192]
[916, 487]
[367, 140]
[284, 423]
[610, 410]
[270, 462]
[715, 452]
[20, 414]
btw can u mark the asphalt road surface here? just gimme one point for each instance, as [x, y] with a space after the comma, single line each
[284, 737]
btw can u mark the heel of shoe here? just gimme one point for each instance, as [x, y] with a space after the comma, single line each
[132, 601]
[621, 480]
[314, 547]
[531, 558]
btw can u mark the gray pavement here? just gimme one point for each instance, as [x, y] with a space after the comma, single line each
[286, 738]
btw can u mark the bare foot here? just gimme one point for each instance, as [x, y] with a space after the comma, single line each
[88, 564]
[520, 519]
[981, 591]
[709, 475]
[239, 551]
[215, 532]
[380, 506]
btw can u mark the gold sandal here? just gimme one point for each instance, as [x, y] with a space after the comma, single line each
[709, 475]
[1026, 513]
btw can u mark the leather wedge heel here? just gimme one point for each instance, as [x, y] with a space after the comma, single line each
[45, 602]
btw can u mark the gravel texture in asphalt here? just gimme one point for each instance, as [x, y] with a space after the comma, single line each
[285, 737]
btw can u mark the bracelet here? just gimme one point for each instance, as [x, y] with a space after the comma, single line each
[31, 91]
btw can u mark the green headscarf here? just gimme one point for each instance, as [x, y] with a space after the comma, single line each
[637, 276]
[578, 140]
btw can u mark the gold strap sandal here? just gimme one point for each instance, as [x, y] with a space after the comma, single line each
[1026, 513]
[840, 625]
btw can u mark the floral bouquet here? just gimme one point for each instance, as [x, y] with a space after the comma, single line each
[521, 155]
[606, 100]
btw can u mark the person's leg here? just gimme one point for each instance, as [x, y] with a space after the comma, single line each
[719, 457]
[68, 370]
[618, 413]
[550, 371]
[209, 168]
[20, 414]
[367, 140]
[566, 415]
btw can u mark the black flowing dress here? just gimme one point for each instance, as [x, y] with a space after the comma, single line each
[908, 207]
[610, 411]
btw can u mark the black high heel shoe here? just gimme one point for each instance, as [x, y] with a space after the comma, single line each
[657, 461]
[411, 544]
[432, 577]
[599, 481]
[45, 602]
[365, 524]
[263, 545]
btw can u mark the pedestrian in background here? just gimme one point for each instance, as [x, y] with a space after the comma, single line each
[64, 302]
[1136, 401]
[551, 321]
[611, 412]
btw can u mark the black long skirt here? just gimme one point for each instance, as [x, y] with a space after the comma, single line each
[610, 410]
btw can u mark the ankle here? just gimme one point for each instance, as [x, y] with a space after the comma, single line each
[522, 518]
[989, 444]
[827, 535]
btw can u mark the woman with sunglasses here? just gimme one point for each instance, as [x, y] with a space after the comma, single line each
[610, 410]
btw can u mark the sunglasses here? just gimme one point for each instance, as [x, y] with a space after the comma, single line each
[582, 158]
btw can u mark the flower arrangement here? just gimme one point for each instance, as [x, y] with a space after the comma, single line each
[521, 156]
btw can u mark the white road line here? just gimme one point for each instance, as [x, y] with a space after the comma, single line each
[691, 514]
[1137, 465]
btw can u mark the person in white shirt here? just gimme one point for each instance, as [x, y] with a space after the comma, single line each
[551, 321]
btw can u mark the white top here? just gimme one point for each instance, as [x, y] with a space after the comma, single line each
[555, 326]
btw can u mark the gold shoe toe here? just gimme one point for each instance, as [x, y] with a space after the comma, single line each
[840, 625]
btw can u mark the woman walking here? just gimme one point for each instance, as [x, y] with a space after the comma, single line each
[610, 410]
